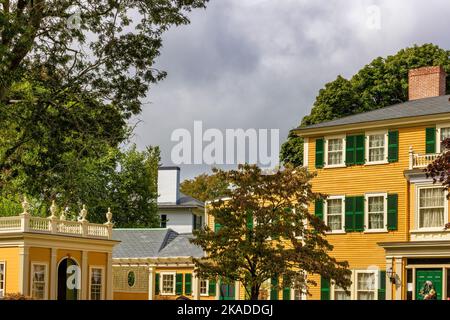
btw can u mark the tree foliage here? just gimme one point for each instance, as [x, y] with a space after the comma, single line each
[381, 83]
[204, 187]
[267, 232]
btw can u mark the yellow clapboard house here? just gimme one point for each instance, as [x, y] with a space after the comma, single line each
[387, 218]
[52, 258]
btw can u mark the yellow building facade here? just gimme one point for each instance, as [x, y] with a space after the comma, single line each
[54, 259]
[387, 218]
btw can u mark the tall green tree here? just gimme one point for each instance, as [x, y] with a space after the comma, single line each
[381, 83]
[263, 231]
[204, 187]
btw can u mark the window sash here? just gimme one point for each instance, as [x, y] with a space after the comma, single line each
[96, 283]
[204, 287]
[335, 209]
[167, 283]
[366, 286]
[2, 279]
[39, 281]
[335, 151]
[375, 212]
[431, 207]
[376, 148]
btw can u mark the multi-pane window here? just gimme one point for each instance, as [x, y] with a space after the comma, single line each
[375, 212]
[96, 283]
[365, 286]
[2, 279]
[376, 147]
[203, 287]
[168, 283]
[431, 207]
[334, 214]
[445, 134]
[340, 294]
[335, 151]
[39, 281]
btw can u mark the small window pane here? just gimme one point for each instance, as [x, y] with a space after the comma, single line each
[2, 279]
[366, 286]
[203, 287]
[445, 134]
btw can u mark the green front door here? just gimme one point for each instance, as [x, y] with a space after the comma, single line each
[427, 280]
[226, 291]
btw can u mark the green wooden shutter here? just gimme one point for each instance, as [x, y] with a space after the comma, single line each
[430, 140]
[286, 291]
[319, 152]
[359, 149]
[217, 226]
[350, 150]
[393, 146]
[318, 210]
[392, 212]
[359, 213]
[382, 285]
[274, 289]
[349, 214]
[324, 289]
[249, 221]
[188, 284]
[179, 284]
[212, 288]
[157, 283]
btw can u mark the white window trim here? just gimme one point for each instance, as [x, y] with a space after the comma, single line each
[438, 135]
[2, 262]
[366, 212]
[355, 282]
[325, 214]
[417, 206]
[207, 288]
[102, 293]
[366, 138]
[305, 152]
[342, 165]
[39, 263]
[174, 274]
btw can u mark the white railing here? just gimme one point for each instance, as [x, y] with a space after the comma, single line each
[40, 224]
[69, 227]
[10, 223]
[417, 160]
[56, 225]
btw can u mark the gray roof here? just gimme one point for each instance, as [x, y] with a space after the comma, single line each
[153, 243]
[184, 201]
[414, 108]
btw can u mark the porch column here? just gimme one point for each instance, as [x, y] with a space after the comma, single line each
[195, 287]
[24, 276]
[109, 279]
[236, 290]
[53, 273]
[84, 275]
[388, 281]
[151, 283]
[399, 282]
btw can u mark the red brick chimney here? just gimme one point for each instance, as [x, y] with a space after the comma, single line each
[427, 82]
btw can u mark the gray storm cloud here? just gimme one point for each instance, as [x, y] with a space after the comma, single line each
[260, 63]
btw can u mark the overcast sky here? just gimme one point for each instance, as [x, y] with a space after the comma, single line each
[260, 63]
